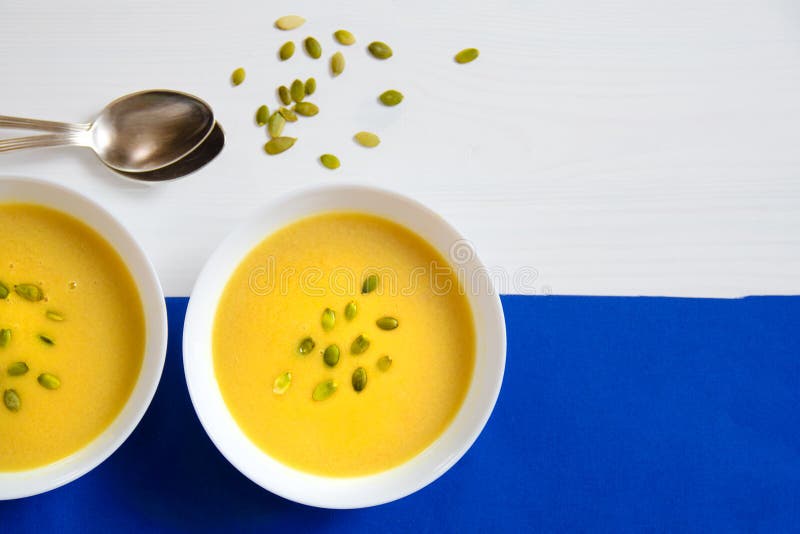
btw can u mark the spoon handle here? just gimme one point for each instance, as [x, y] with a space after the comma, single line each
[40, 141]
[35, 124]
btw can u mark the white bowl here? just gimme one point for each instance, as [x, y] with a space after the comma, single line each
[323, 491]
[18, 484]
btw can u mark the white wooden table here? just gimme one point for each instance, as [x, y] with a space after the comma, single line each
[623, 147]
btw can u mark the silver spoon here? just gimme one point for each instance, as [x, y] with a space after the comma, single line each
[138, 133]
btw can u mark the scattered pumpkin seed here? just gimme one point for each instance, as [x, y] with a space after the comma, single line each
[467, 55]
[306, 346]
[30, 292]
[5, 337]
[387, 323]
[351, 310]
[284, 95]
[282, 383]
[311, 86]
[49, 381]
[3, 291]
[370, 284]
[330, 161]
[306, 109]
[275, 125]
[331, 355]
[324, 390]
[279, 144]
[47, 340]
[11, 400]
[298, 91]
[384, 362]
[262, 115]
[337, 64]
[17, 369]
[289, 22]
[328, 319]
[359, 345]
[286, 51]
[367, 139]
[54, 316]
[313, 47]
[344, 37]
[238, 76]
[359, 379]
[391, 97]
[288, 114]
[380, 50]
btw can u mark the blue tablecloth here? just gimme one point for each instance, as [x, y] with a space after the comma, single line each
[617, 414]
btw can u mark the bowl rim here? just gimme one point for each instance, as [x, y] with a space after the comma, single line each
[38, 480]
[191, 363]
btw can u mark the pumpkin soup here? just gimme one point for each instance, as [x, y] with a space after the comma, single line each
[72, 335]
[343, 345]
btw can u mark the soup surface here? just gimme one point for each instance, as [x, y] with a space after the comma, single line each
[412, 378]
[72, 335]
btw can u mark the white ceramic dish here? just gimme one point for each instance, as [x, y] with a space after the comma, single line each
[18, 484]
[341, 492]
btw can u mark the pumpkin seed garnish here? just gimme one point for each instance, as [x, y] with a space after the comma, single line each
[54, 316]
[49, 381]
[286, 51]
[279, 144]
[47, 340]
[467, 55]
[3, 291]
[380, 50]
[275, 125]
[337, 64]
[238, 76]
[330, 161]
[17, 369]
[306, 109]
[359, 379]
[367, 139]
[387, 323]
[344, 37]
[328, 319]
[384, 362]
[5, 337]
[284, 95]
[359, 345]
[289, 22]
[30, 292]
[298, 91]
[282, 383]
[350, 310]
[311, 86]
[391, 97]
[313, 47]
[262, 115]
[11, 400]
[306, 346]
[370, 284]
[331, 355]
[324, 390]
[288, 114]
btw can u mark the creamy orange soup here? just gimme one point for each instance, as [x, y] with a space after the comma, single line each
[72, 335]
[411, 380]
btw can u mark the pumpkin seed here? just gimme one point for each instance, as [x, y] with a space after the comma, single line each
[313, 47]
[279, 144]
[54, 316]
[359, 345]
[344, 37]
[387, 323]
[359, 379]
[289, 22]
[30, 292]
[391, 97]
[47, 340]
[284, 95]
[298, 91]
[282, 383]
[337, 64]
[11, 400]
[370, 284]
[288, 114]
[328, 319]
[324, 390]
[17, 369]
[238, 76]
[275, 125]
[306, 109]
[49, 381]
[3, 291]
[330, 161]
[331, 355]
[367, 139]
[286, 51]
[311, 86]
[467, 55]
[306, 346]
[384, 362]
[5, 337]
[262, 115]
[350, 310]
[380, 50]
